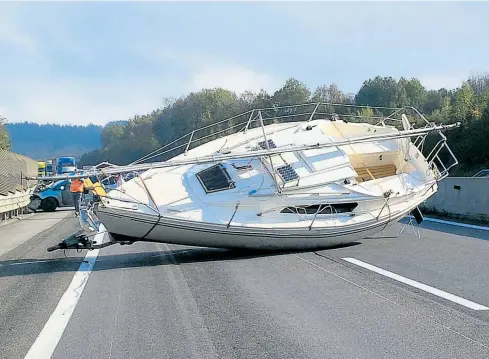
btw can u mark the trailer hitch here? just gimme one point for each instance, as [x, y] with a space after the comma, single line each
[79, 242]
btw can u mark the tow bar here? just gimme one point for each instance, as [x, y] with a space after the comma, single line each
[79, 242]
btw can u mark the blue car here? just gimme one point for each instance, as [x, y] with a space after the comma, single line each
[58, 194]
[52, 196]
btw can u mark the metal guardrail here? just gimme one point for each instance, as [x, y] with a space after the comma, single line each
[14, 188]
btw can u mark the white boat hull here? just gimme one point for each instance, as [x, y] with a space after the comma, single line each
[126, 225]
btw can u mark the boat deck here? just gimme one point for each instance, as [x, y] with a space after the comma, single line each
[366, 173]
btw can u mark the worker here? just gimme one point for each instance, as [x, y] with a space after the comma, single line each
[76, 189]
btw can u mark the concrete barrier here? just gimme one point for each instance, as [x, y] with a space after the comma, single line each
[464, 197]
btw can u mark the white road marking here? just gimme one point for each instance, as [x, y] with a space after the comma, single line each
[48, 339]
[413, 283]
[429, 318]
[459, 224]
[29, 262]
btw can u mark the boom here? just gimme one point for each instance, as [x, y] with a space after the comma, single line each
[265, 152]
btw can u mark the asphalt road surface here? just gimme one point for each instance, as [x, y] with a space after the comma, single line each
[165, 301]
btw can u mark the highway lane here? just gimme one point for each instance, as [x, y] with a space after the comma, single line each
[451, 258]
[31, 279]
[158, 301]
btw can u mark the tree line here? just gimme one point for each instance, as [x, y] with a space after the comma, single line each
[125, 142]
[46, 141]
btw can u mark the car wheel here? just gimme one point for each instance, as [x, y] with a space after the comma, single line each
[49, 204]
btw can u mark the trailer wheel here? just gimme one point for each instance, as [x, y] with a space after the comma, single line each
[49, 204]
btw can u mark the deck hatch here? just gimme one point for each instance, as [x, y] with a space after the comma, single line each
[271, 144]
[243, 168]
[287, 173]
[215, 179]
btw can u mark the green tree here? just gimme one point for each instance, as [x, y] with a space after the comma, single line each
[294, 92]
[112, 132]
[434, 100]
[469, 143]
[123, 143]
[415, 92]
[95, 157]
[330, 94]
[261, 100]
[381, 91]
[444, 113]
[479, 83]
[365, 114]
[4, 137]
[196, 110]
[463, 98]
[480, 86]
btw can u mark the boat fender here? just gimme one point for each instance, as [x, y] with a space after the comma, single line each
[252, 192]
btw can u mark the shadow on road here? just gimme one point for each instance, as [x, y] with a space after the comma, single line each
[23, 267]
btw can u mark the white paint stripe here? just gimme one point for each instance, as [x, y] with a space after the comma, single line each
[29, 262]
[36, 262]
[413, 283]
[48, 339]
[459, 224]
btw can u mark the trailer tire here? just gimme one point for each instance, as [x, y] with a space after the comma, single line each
[49, 204]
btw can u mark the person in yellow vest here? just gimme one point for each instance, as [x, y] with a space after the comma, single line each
[76, 189]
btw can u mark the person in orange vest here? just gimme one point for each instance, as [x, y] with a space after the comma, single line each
[76, 189]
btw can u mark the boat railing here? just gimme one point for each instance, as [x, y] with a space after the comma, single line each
[441, 158]
[411, 114]
[261, 117]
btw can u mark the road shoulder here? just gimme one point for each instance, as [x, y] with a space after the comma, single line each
[16, 232]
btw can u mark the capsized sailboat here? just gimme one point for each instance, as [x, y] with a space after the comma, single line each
[284, 178]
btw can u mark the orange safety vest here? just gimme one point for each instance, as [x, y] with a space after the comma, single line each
[76, 186]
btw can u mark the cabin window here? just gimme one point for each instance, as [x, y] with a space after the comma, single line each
[215, 179]
[321, 208]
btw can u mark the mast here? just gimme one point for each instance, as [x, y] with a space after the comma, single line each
[257, 153]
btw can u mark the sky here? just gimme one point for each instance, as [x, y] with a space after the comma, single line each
[89, 62]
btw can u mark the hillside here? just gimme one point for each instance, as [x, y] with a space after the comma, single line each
[48, 141]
